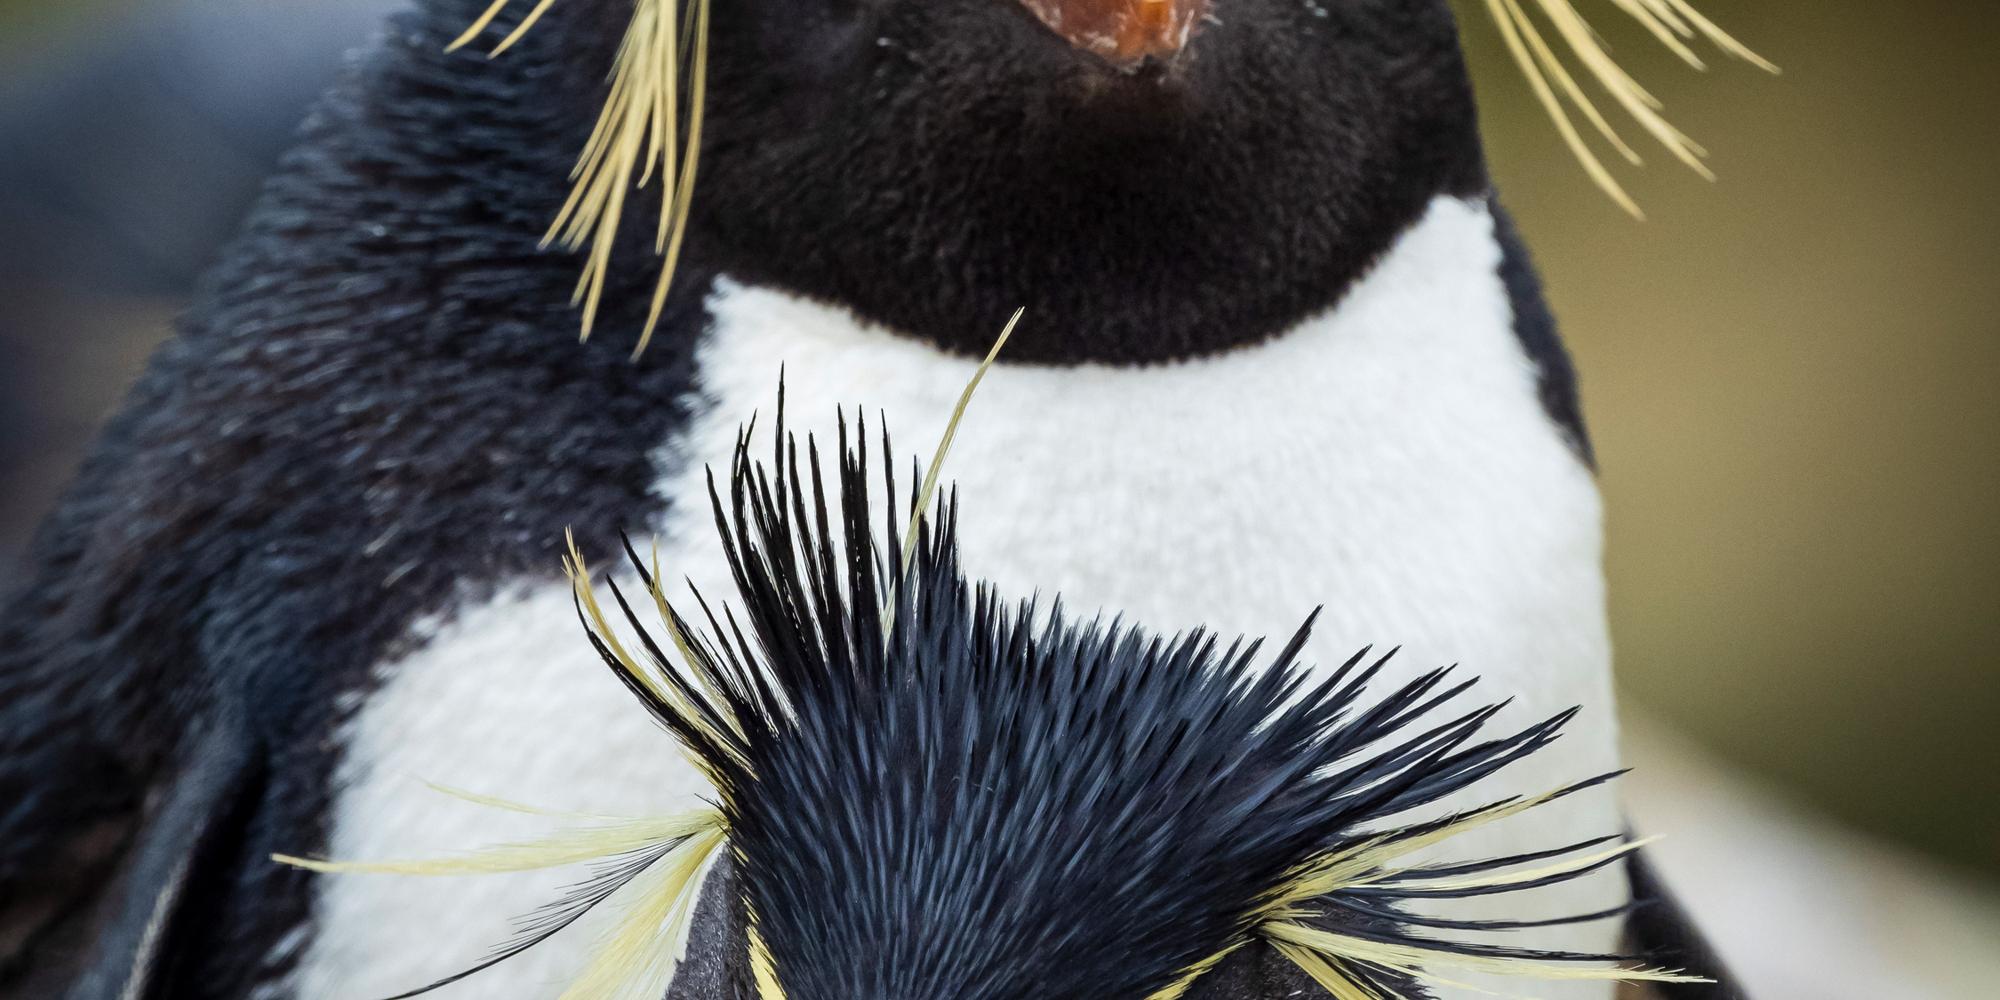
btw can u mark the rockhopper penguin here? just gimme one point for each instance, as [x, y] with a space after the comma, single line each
[1284, 351]
[925, 790]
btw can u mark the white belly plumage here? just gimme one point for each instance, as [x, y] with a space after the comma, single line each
[1388, 460]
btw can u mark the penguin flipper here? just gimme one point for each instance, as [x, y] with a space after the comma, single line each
[68, 808]
[120, 945]
[1661, 933]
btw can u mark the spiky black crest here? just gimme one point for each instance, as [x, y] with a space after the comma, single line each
[958, 798]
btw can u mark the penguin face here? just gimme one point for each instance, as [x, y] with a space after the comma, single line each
[934, 164]
[930, 794]
[924, 792]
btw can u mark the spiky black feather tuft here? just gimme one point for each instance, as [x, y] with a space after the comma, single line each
[959, 798]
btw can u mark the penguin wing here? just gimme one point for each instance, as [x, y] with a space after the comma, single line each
[1661, 933]
[198, 817]
[114, 794]
[112, 758]
[101, 913]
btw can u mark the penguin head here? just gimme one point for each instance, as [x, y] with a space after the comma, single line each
[929, 793]
[1148, 185]
[925, 792]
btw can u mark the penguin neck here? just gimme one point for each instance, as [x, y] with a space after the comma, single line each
[1138, 291]
[1191, 219]
[1105, 318]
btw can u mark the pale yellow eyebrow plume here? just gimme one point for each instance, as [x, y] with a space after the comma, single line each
[647, 673]
[1672, 23]
[650, 128]
[930, 484]
[1179, 987]
[564, 847]
[1328, 956]
[1415, 960]
[763, 971]
[636, 960]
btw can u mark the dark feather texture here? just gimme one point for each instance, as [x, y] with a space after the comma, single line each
[374, 411]
[960, 797]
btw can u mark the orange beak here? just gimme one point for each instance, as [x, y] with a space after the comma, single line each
[1122, 31]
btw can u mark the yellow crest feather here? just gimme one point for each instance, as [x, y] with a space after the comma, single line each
[648, 673]
[651, 122]
[932, 471]
[650, 127]
[564, 847]
[636, 961]
[1672, 23]
[1326, 955]
[763, 971]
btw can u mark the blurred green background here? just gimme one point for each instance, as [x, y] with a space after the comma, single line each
[1793, 376]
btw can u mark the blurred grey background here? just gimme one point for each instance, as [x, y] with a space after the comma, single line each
[1793, 376]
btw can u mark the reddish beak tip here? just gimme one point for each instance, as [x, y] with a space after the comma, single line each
[1122, 31]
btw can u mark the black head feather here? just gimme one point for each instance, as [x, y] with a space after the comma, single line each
[959, 798]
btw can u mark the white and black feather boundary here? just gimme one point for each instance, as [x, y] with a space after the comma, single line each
[955, 795]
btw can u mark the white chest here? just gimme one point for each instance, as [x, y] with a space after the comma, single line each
[1388, 460]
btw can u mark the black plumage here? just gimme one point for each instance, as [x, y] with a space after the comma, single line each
[374, 410]
[371, 415]
[930, 792]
